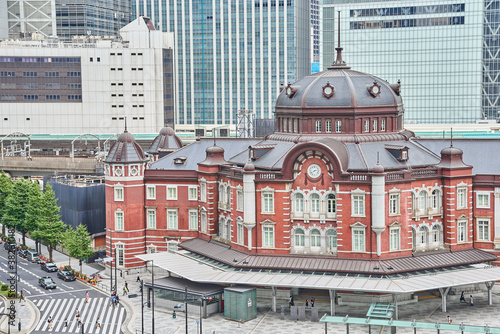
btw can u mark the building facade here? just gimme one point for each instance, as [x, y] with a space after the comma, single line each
[340, 179]
[24, 17]
[89, 85]
[444, 53]
[232, 55]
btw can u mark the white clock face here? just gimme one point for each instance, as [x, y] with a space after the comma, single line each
[328, 90]
[375, 90]
[314, 171]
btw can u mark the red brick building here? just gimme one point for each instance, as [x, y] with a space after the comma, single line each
[339, 179]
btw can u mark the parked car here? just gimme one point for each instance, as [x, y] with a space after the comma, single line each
[23, 252]
[48, 267]
[8, 244]
[66, 275]
[32, 256]
[47, 282]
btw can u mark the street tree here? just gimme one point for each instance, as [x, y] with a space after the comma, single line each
[78, 243]
[33, 213]
[16, 207]
[6, 185]
[50, 227]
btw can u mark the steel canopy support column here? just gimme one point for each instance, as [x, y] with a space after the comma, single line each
[273, 290]
[444, 293]
[396, 311]
[489, 285]
[333, 296]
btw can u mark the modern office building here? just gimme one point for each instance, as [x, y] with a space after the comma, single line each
[24, 17]
[89, 85]
[232, 55]
[91, 17]
[444, 52]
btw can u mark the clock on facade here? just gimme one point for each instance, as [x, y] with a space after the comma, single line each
[314, 171]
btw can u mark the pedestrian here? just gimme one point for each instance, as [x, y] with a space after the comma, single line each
[126, 285]
[66, 322]
[291, 301]
[138, 278]
[312, 302]
[117, 299]
[97, 323]
[49, 321]
[112, 301]
[307, 303]
[471, 301]
[125, 290]
[462, 298]
[140, 287]
[21, 297]
[449, 320]
[87, 297]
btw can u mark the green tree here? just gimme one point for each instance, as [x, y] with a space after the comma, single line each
[78, 243]
[6, 185]
[33, 213]
[50, 227]
[16, 206]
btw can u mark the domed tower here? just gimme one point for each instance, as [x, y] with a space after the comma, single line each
[124, 173]
[165, 143]
[347, 105]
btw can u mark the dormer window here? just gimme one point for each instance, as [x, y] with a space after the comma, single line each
[374, 89]
[328, 90]
[257, 151]
[398, 152]
[291, 90]
[180, 160]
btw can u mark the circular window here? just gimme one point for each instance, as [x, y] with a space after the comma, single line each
[374, 90]
[133, 171]
[328, 90]
[118, 171]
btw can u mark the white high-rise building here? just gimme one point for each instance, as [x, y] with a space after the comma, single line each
[446, 53]
[232, 56]
[90, 85]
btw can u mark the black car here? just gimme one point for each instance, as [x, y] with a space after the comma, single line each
[49, 267]
[9, 244]
[66, 275]
[22, 253]
[47, 282]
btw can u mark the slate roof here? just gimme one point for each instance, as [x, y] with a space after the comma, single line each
[423, 261]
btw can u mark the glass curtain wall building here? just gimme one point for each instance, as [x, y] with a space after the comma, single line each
[444, 52]
[232, 56]
[91, 17]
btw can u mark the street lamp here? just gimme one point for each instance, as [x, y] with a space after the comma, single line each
[201, 313]
[111, 262]
[153, 295]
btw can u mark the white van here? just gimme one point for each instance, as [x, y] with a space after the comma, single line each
[33, 256]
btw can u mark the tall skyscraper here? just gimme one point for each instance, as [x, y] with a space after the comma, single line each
[444, 52]
[27, 17]
[232, 55]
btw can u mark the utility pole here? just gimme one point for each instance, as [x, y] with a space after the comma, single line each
[186, 307]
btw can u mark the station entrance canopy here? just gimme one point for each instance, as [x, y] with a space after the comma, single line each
[184, 264]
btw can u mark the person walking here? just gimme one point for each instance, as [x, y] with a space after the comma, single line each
[49, 321]
[112, 301]
[97, 323]
[117, 299]
[126, 285]
[138, 278]
[66, 322]
[291, 301]
[312, 302]
[125, 290]
[449, 320]
[307, 303]
[462, 298]
[21, 297]
[471, 301]
[87, 297]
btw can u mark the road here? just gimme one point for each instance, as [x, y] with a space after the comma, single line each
[63, 301]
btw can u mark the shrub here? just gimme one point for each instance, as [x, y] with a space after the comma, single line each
[4, 287]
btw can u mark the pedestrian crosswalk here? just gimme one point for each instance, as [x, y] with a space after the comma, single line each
[110, 318]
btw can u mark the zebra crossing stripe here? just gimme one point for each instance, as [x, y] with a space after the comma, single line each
[120, 319]
[56, 318]
[39, 302]
[93, 319]
[79, 307]
[68, 314]
[107, 310]
[45, 316]
[89, 323]
[44, 305]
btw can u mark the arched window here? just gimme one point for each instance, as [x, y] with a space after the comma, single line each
[314, 203]
[228, 196]
[436, 234]
[221, 227]
[435, 199]
[300, 237]
[315, 238]
[221, 194]
[422, 201]
[331, 236]
[299, 202]
[331, 203]
[422, 235]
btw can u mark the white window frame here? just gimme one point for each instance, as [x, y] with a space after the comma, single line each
[382, 125]
[331, 203]
[338, 126]
[172, 219]
[358, 231]
[435, 199]
[120, 254]
[357, 204]
[315, 239]
[295, 125]
[462, 231]
[267, 201]
[461, 197]
[315, 201]
[299, 240]
[298, 203]
[436, 234]
[318, 126]
[240, 232]
[483, 229]
[192, 193]
[268, 236]
[239, 200]
[423, 201]
[394, 203]
[173, 195]
[329, 240]
[328, 126]
[151, 218]
[119, 220]
[150, 192]
[284, 125]
[203, 218]
[203, 191]
[193, 219]
[483, 200]
[394, 238]
[119, 194]
[367, 125]
[375, 125]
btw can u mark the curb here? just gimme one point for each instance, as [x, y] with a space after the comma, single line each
[33, 319]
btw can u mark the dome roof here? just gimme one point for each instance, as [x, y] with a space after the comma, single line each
[125, 150]
[166, 141]
[339, 88]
